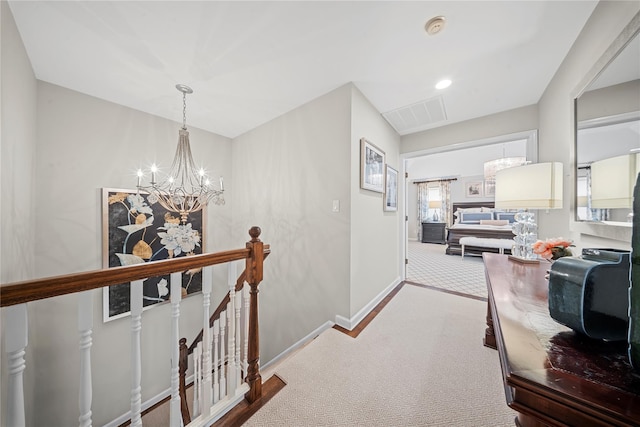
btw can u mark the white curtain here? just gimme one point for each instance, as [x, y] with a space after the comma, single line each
[445, 194]
[423, 206]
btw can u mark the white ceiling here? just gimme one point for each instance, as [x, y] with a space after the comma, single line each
[249, 62]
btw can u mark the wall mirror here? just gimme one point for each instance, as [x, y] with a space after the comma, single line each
[607, 150]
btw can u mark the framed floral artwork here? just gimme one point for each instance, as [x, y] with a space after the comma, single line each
[137, 229]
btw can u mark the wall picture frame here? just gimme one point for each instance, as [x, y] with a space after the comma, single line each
[490, 188]
[137, 229]
[372, 163]
[474, 188]
[390, 189]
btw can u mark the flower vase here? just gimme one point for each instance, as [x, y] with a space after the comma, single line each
[634, 286]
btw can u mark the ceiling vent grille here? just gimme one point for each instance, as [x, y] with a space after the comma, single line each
[417, 116]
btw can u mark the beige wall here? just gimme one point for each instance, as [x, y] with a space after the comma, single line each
[504, 123]
[286, 174]
[323, 263]
[556, 112]
[17, 176]
[18, 150]
[375, 234]
[609, 101]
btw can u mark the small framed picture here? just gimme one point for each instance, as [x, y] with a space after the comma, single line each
[490, 188]
[371, 167]
[473, 189]
[391, 189]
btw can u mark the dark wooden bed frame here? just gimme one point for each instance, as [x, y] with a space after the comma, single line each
[453, 235]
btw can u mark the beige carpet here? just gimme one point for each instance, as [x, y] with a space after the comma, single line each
[420, 362]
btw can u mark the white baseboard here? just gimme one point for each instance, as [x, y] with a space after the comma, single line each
[301, 343]
[350, 324]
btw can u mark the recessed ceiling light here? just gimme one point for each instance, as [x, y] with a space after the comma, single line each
[434, 25]
[443, 84]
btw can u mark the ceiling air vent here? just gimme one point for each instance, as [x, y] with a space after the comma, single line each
[417, 116]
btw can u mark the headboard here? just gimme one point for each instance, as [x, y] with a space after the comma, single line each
[466, 205]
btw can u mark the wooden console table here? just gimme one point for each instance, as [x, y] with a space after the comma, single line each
[553, 376]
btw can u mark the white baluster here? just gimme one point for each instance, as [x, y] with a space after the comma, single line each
[207, 279]
[238, 340]
[223, 354]
[16, 341]
[233, 277]
[216, 360]
[245, 299]
[176, 296]
[136, 356]
[85, 328]
[231, 359]
[196, 381]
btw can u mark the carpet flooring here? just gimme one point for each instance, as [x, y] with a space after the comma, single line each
[429, 265]
[420, 362]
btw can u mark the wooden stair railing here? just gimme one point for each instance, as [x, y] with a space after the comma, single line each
[186, 351]
[15, 296]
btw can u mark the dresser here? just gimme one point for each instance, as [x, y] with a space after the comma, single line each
[434, 232]
[552, 375]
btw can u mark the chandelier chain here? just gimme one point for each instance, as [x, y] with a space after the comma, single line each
[184, 110]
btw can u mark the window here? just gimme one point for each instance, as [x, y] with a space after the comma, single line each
[432, 210]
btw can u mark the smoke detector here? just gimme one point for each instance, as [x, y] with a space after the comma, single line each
[434, 25]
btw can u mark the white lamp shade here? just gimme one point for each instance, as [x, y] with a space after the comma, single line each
[534, 186]
[435, 204]
[612, 181]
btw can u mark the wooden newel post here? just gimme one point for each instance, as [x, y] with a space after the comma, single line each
[254, 277]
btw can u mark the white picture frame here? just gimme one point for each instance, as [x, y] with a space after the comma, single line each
[474, 188]
[372, 163]
[390, 189]
[490, 188]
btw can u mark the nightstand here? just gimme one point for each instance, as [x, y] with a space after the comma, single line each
[434, 232]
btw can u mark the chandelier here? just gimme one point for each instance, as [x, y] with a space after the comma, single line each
[184, 189]
[493, 166]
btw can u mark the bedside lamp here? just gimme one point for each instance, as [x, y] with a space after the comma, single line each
[533, 186]
[435, 204]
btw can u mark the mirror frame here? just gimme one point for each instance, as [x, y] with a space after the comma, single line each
[606, 231]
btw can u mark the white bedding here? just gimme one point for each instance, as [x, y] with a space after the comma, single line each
[480, 227]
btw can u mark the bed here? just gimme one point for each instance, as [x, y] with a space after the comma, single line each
[487, 229]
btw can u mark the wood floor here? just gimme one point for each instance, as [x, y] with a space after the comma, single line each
[243, 410]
